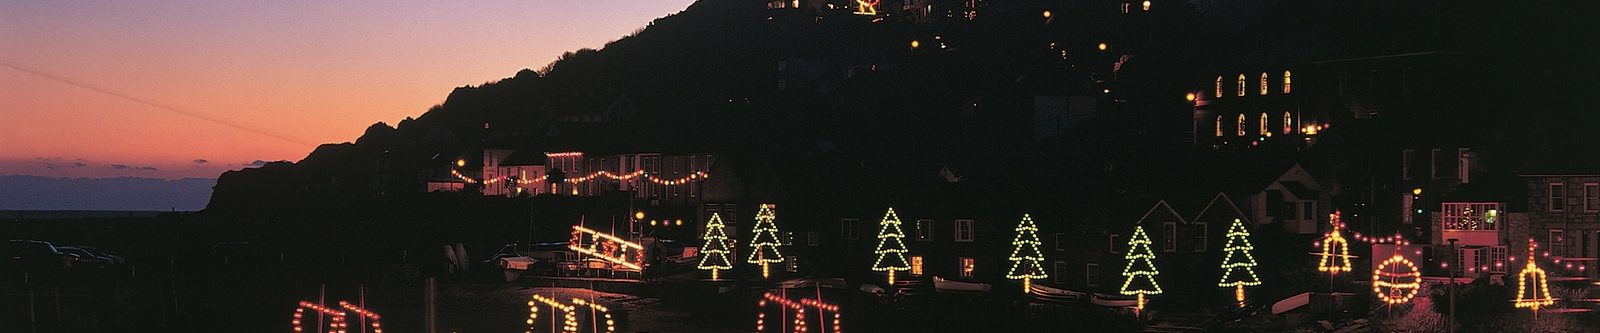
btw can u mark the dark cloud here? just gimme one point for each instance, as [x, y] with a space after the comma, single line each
[57, 163]
[201, 161]
[132, 167]
[257, 163]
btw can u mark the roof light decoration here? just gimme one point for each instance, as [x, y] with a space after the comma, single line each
[891, 245]
[570, 325]
[1025, 255]
[800, 309]
[606, 247]
[1239, 265]
[764, 246]
[1140, 267]
[1539, 296]
[1396, 280]
[714, 253]
[335, 325]
[867, 7]
[1335, 256]
[373, 317]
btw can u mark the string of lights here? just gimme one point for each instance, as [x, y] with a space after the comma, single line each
[336, 322]
[800, 309]
[372, 317]
[602, 174]
[1540, 296]
[764, 246]
[1025, 249]
[1399, 276]
[714, 253]
[1242, 272]
[1139, 254]
[891, 245]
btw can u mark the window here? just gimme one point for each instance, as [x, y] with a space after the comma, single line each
[916, 265]
[1240, 93]
[1263, 83]
[788, 238]
[1497, 259]
[1308, 210]
[1241, 127]
[1059, 275]
[1557, 238]
[1463, 165]
[967, 266]
[924, 230]
[1405, 163]
[1470, 216]
[1264, 129]
[1061, 242]
[963, 230]
[1116, 244]
[811, 239]
[847, 228]
[1219, 87]
[1405, 207]
[1219, 126]
[1433, 163]
[1558, 197]
[1288, 123]
[791, 264]
[1169, 237]
[1591, 197]
[1286, 82]
[1200, 232]
[1091, 274]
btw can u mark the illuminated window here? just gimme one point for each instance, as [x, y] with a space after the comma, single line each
[1218, 93]
[967, 266]
[1240, 93]
[916, 265]
[1219, 126]
[1263, 83]
[1286, 83]
[1265, 131]
[1288, 123]
[1241, 127]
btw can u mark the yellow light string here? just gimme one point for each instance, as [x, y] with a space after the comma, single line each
[800, 324]
[765, 240]
[616, 252]
[1238, 243]
[1330, 253]
[1393, 285]
[569, 313]
[363, 312]
[714, 253]
[1139, 252]
[336, 323]
[890, 232]
[1027, 239]
[1540, 297]
[866, 7]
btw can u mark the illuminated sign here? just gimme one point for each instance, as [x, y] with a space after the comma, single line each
[605, 246]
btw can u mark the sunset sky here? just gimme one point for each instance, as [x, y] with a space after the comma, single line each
[274, 77]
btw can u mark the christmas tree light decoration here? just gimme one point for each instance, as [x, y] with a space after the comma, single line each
[1140, 267]
[867, 7]
[1335, 248]
[714, 254]
[336, 323]
[364, 313]
[569, 313]
[1539, 296]
[1396, 280]
[1239, 265]
[765, 244]
[891, 245]
[1025, 255]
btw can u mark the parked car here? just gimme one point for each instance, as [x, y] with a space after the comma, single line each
[84, 257]
[102, 253]
[35, 255]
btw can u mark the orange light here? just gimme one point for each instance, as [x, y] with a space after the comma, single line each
[1103, 46]
[461, 163]
[1189, 97]
[1147, 5]
[1046, 14]
[915, 44]
[639, 215]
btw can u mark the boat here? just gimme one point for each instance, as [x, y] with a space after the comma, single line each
[1113, 301]
[1291, 303]
[943, 285]
[514, 266]
[1054, 294]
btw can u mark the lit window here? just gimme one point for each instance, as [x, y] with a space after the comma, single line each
[1288, 123]
[1240, 93]
[1219, 126]
[1169, 237]
[1218, 93]
[1240, 128]
[963, 230]
[1264, 129]
[1263, 83]
[1286, 83]
[967, 266]
[916, 265]
[1558, 197]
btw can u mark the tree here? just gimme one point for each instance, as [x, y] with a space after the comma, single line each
[1141, 268]
[1025, 255]
[891, 245]
[1239, 265]
[714, 254]
[765, 244]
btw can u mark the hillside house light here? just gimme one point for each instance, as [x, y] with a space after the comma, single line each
[1416, 191]
[1147, 5]
[461, 163]
[1189, 97]
[1103, 46]
[915, 44]
[1047, 14]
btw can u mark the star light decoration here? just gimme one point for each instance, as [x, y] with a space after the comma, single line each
[1396, 280]
[765, 244]
[1335, 250]
[1239, 265]
[1140, 266]
[891, 246]
[1540, 295]
[1025, 255]
[714, 253]
[800, 312]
